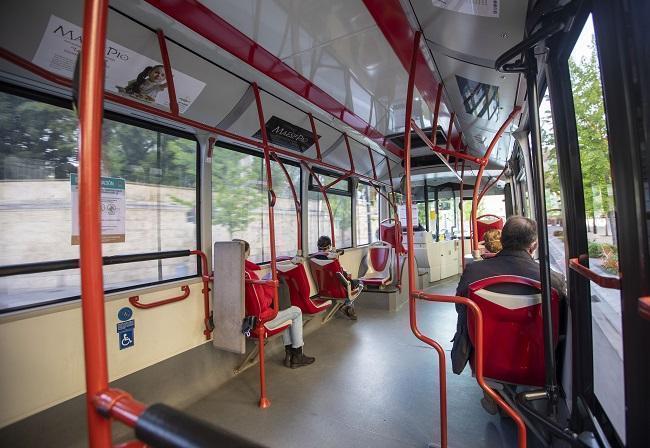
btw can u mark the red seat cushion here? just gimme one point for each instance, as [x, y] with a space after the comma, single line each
[513, 343]
[325, 274]
[487, 223]
[379, 256]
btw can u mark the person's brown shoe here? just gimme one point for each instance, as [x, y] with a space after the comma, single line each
[287, 355]
[299, 359]
[349, 312]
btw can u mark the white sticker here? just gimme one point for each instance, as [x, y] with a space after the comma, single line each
[483, 8]
[127, 72]
[113, 203]
[401, 210]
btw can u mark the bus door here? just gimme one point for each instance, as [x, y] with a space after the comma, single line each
[595, 182]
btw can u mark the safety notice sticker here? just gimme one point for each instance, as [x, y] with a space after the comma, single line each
[483, 8]
[113, 203]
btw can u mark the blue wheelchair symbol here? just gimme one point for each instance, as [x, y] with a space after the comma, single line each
[126, 339]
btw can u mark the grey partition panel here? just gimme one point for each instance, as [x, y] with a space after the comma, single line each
[228, 296]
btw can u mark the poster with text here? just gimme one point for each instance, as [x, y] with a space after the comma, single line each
[127, 72]
[113, 203]
[483, 8]
[401, 210]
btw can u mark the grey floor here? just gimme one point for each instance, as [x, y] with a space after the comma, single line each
[373, 385]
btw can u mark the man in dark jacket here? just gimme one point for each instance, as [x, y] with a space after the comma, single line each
[519, 241]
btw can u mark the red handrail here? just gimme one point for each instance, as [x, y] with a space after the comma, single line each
[415, 294]
[135, 300]
[644, 307]
[169, 76]
[206, 277]
[605, 282]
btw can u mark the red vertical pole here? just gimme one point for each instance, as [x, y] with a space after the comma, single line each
[434, 136]
[411, 254]
[347, 146]
[91, 94]
[449, 130]
[479, 176]
[264, 401]
[296, 201]
[462, 215]
[315, 136]
[169, 76]
[397, 230]
[323, 191]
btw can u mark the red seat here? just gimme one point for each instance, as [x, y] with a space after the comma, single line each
[388, 234]
[487, 222]
[295, 277]
[331, 283]
[380, 260]
[513, 343]
[255, 299]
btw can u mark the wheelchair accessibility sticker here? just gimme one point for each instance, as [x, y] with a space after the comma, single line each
[126, 334]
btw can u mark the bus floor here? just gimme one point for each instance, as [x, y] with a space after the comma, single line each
[373, 384]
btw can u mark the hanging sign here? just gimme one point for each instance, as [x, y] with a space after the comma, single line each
[483, 8]
[127, 72]
[287, 135]
[113, 204]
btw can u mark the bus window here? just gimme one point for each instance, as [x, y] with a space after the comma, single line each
[367, 214]
[601, 226]
[447, 213]
[239, 203]
[340, 198]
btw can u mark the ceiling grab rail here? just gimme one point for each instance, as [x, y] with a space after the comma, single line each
[442, 151]
[492, 183]
[155, 111]
[135, 300]
[415, 294]
[449, 131]
[605, 282]
[315, 136]
[264, 401]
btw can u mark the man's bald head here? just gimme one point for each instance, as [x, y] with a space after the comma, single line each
[519, 233]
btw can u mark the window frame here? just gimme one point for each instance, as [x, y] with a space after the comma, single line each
[313, 186]
[66, 103]
[252, 152]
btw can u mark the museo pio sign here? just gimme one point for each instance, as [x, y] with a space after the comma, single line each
[287, 135]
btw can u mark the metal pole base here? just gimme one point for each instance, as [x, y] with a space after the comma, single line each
[265, 403]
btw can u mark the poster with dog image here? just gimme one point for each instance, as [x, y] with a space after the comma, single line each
[128, 73]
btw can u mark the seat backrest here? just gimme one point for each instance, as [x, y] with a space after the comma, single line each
[487, 222]
[255, 298]
[513, 342]
[325, 275]
[296, 279]
[379, 255]
[387, 233]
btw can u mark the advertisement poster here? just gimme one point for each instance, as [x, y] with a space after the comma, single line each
[127, 73]
[113, 203]
[483, 8]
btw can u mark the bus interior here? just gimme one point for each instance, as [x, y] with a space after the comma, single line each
[174, 174]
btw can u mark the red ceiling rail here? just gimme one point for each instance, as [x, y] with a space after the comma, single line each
[315, 136]
[347, 146]
[135, 300]
[479, 176]
[217, 30]
[372, 163]
[415, 294]
[644, 307]
[605, 282]
[436, 113]
[169, 75]
[134, 104]
[91, 87]
[450, 130]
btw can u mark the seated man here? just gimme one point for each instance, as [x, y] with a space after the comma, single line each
[519, 242]
[324, 244]
[260, 304]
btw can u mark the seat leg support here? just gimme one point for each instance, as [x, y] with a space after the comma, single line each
[249, 361]
[332, 311]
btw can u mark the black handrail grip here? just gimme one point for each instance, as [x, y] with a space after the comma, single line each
[161, 426]
[60, 265]
[501, 63]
